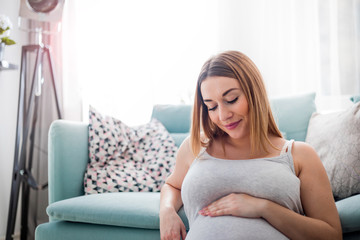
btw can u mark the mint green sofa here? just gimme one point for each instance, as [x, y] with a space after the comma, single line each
[131, 215]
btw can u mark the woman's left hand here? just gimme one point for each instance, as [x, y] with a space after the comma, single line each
[235, 204]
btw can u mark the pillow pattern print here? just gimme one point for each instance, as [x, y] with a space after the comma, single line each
[127, 159]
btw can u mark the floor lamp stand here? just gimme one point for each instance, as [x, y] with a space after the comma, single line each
[28, 110]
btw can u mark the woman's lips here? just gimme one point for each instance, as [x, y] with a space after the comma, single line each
[233, 125]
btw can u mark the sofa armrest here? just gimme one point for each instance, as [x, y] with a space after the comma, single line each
[349, 212]
[68, 158]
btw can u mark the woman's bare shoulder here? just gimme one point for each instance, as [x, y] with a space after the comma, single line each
[303, 150]
[185, 154]
[304, 156]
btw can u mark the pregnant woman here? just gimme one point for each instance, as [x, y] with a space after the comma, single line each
[236, 176]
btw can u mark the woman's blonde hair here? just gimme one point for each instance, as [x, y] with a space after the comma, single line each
[235, 65]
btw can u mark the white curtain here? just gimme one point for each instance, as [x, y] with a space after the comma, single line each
[299, 45]
[123, 57]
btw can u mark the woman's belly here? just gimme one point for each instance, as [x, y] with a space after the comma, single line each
[211, 179]
[232, 228]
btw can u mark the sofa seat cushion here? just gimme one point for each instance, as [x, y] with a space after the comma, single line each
[126, 209]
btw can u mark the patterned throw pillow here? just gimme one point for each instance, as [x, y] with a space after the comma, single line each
[127, 159]
[336, 138]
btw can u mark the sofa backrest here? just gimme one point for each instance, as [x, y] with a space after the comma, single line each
[175, 118]
[292, 115]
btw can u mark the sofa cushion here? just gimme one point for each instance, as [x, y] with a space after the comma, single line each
[336, 138]
[64, 230]
[127, 159]
[355, 98]
[349, 212]
[175, 118]
[179, 137]
[292, 114]
[136, 209]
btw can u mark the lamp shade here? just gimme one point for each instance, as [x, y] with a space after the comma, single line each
[42, 10]
[41, 15]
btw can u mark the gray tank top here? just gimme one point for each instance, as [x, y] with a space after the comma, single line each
[210, 178]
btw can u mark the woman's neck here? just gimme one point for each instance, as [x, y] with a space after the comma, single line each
[230, 148]
[239, 143]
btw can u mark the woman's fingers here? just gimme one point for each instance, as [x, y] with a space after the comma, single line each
[240, 205]
[218, 212]
[172, 227]
[183, 232]
[217, 208]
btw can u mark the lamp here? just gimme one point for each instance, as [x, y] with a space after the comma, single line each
[41, 17]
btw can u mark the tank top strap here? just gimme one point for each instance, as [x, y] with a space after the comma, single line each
[201, 153]
[290, 145]
[286, 149]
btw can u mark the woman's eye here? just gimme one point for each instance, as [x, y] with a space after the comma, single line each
[233, 101]
[212, 109]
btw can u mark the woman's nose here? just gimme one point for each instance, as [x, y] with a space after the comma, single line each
[224, 113]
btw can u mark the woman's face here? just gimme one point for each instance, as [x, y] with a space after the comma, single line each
[227, 105]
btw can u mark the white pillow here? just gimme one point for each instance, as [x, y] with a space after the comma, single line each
[336, 138]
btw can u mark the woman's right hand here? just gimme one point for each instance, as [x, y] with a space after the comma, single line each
[171, 226]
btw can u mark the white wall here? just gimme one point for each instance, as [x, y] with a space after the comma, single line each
[158, 47]
[9, 82]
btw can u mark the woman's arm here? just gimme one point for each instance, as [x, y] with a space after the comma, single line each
[171, 225]
[321, 220]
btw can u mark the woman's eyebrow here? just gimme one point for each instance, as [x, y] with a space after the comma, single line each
[224, 94]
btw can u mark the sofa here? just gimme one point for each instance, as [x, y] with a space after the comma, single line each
[134, 215]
